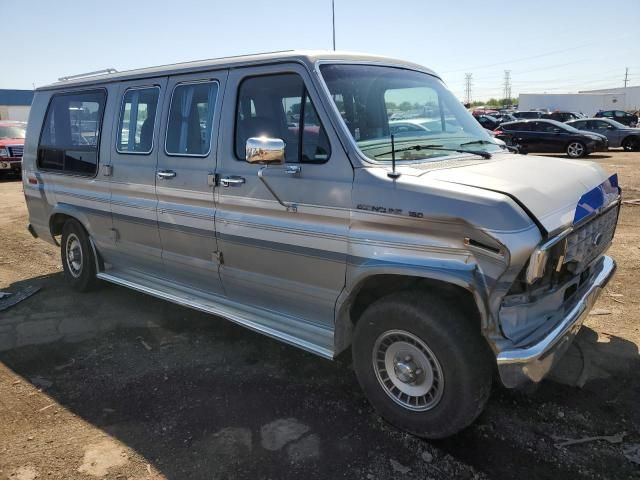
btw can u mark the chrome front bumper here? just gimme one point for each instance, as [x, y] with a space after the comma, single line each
[521, 366]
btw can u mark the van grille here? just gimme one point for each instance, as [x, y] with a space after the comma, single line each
[590, 240]
[16, 150]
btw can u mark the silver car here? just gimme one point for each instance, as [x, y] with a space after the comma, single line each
[619, 135]
[271, 190]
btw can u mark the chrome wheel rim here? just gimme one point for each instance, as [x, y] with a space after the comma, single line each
[73, 250]
[575, 149]
[408, 370]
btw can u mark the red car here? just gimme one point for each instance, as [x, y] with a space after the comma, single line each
[11, 146]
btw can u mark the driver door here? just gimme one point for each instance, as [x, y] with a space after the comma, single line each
[288, 260]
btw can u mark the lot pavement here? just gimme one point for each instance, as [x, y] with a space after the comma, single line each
[181, 395]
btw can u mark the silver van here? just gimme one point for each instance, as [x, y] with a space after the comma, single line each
[331, 201]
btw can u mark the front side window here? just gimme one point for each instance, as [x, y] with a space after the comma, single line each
[71, 133]
[378, 101]
[279, 106]
[137, 120]
[191, 119]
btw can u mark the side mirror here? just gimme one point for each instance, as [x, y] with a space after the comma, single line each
[265, 150]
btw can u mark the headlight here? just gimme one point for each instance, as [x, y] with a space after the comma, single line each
[4, 152]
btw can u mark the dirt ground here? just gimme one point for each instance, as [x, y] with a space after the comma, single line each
[189, 396]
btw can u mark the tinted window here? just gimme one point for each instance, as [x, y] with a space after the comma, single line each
[579, 125]
[191, 119]
[279, 106]
[547, 127]
[137, 119]
[71, 132]
[597, 125]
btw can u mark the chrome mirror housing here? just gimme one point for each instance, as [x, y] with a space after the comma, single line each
[265, 150]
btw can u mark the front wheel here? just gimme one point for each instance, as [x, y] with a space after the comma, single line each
[631, 144]
[576, 150]
[422, 364]
[78, 260]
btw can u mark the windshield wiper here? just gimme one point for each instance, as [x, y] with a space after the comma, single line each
[417, 148]
[478, 142]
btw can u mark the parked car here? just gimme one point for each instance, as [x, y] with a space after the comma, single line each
[551, 137]
[562, 116]
[619, 135]
[488, 122]
[436, 258]
[628, 119]
[11, 146]
[527, 114]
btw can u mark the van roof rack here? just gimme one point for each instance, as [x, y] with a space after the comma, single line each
[88, 74]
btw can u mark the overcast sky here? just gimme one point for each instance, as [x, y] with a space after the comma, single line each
[549, 45]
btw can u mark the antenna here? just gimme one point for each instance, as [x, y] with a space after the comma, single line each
[333, 22]
[393, 174]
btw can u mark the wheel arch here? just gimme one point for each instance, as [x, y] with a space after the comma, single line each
[62, 213]
[466, 292]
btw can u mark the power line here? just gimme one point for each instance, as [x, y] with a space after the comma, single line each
[554, 52]
[467, 79]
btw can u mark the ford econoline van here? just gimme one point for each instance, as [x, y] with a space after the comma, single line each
[332, 201]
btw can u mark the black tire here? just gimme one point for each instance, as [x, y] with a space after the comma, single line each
[465, 362]
[576, 149]
[631, 144]
[78, 260]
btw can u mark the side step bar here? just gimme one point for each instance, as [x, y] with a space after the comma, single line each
[286, 329]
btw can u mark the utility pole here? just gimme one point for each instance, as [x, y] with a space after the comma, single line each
[333, 22]
[467, 87]
[507, 85]
[626, 76]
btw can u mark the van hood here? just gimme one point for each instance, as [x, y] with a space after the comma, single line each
[553, 190]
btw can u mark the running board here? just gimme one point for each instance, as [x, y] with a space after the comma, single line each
[289, 330]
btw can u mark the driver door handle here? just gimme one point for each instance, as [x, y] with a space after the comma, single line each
[232, 181]
[165, 174]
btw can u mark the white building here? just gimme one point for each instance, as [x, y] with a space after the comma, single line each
[630, 96]
[587, 102]
[15, 104]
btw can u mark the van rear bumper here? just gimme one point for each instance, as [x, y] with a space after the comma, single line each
[521, 366]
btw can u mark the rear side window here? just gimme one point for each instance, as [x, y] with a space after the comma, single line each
[279, 106]
[71, 133]
[579, 125]
[137, 120]
[191, 119]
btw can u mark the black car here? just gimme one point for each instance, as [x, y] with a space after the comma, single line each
[549, 136]
[488, 122]
[562, 116]
[628, 119]
[524, 115]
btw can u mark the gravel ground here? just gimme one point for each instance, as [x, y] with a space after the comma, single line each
[189, 396]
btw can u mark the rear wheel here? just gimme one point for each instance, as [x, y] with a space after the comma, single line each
[576, 150]
[78, 260]
[631, 144]
[423, 366]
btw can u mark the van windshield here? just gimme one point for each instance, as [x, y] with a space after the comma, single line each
[376, 102]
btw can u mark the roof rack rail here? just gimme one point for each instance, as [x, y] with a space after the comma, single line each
[88, 74]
